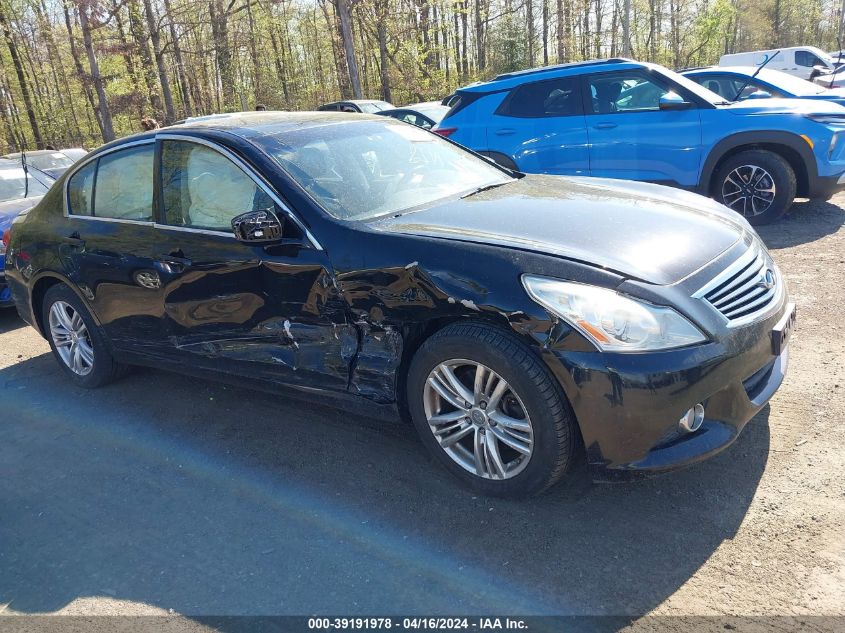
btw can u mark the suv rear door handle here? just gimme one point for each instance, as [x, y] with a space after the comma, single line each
[604, 126]
[505, 131]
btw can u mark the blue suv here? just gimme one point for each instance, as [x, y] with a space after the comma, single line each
[619, 118]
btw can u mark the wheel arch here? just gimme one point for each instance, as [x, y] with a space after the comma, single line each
[791, 147]
[42, 283]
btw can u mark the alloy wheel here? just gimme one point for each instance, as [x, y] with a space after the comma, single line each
[478, 419]
[71, 338]
[749, 190]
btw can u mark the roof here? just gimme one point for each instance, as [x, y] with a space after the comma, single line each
[242, 123]
[509, 80]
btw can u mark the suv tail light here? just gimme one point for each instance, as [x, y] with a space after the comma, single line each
[7, 234]
[445, 131]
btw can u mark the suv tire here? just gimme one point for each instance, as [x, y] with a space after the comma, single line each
[758, 184]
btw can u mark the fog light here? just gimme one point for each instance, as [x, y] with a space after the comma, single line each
[692, 419]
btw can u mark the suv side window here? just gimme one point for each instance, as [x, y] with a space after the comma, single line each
[203, 189]
[123, 186]
[806, 58]
[751, 88]
[80, 190]
[552, 98]
[625, 92]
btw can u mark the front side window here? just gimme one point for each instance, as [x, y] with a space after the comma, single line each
[365, 168]
[123, 188]
[557, 97]
[203, 189]
[625, 92]
[806, 58]
[750, 89]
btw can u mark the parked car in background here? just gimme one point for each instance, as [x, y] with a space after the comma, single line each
[52, 162]
[805, 62]
[832, 81]
[425, 115]
[619, 118]
[367, 106]
[738, 83]
[18, 193]
[74, 153]
[517, 320]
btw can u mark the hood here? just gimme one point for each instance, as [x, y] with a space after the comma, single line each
[642, 231]
[784, 106]
[10, 209]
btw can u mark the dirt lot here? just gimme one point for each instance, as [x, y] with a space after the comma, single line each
[167, 493]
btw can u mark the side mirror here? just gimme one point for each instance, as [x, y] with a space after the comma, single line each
[673, 101]
[759, 94]
[257, 227]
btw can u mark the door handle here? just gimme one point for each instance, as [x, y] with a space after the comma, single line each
[174, 263]
[74, 240]
[504, 131]
[604, 126]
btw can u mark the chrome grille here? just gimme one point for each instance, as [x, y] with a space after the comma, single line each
[746, 289]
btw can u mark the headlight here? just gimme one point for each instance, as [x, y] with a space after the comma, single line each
[613, 321]
[828, 119]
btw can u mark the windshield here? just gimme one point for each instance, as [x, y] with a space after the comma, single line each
[789, 83]
[696, 89]
[358, 170]
[13, 185]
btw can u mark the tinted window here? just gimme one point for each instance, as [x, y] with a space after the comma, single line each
[124, 184]
[80, 190]
[558, 97]
[203, 189]
[806, 58]
[625, 92]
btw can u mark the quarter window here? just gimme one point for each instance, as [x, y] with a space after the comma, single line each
[203, 189]
[557, 97]
[124, 184]
[80, 190]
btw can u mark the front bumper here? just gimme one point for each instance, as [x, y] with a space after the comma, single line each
[826, 186]
[628, 405]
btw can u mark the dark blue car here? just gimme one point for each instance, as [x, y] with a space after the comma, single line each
[736, 83]
[19, 192]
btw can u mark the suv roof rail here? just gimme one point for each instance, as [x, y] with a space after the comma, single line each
[543, 69]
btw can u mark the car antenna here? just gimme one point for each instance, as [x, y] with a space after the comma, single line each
[756, 72]
[25, 168]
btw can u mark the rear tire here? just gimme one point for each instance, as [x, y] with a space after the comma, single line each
[758, 184]
[76, 340]
[517, 436]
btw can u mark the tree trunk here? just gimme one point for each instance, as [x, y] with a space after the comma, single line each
[222, 53]
[349, 46]
[25, 93]
[164, 80]
[140, 35]
[545, 32]
[96, 78]
[184, 82]
[381, 30]
[80, 72]
[479, 34]
[529, 15]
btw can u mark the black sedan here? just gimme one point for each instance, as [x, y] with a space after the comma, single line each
[425, 115]
[516, 320]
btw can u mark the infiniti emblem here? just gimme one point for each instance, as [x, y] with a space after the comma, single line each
[767, 279]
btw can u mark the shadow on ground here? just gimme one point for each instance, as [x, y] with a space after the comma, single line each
[208, 499]
[9, 320]
[807, 221]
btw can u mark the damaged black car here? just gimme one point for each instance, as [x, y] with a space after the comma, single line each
[519, 321]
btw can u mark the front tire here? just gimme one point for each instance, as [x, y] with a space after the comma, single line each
[490, 412]
[758, 184]
[76, 341]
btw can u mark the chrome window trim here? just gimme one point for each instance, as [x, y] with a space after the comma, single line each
[190, 229]
[258, 179]
[89, 159]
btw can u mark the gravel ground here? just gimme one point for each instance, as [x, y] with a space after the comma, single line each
[166, 494]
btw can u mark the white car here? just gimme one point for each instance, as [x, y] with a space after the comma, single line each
[802, 61]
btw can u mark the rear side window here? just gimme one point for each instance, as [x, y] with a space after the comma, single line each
[80, 190]
[124, 184]
[557, 97]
